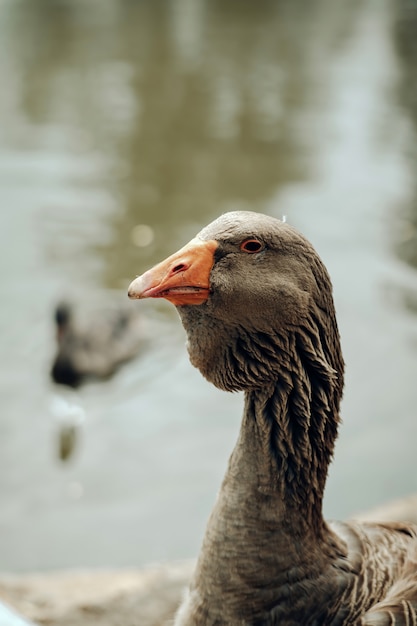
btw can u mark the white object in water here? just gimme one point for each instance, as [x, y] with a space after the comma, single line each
[8, 617]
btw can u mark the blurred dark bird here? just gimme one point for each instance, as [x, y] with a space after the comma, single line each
[256, 302]
[93, 344]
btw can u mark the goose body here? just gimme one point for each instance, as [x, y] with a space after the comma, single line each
[256, 303]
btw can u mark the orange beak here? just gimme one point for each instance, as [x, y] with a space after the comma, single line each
[183, 278]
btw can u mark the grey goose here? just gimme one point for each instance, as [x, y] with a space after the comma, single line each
[256, 303]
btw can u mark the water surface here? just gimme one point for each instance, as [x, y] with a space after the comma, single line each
[125, 127]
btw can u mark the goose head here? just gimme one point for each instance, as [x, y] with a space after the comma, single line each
[243, 281]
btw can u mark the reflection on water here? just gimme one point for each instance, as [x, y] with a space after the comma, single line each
[175, 113]
[126, 126]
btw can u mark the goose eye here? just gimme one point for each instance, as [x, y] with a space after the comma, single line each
[251, 246]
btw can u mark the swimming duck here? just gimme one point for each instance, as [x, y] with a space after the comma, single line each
[93, 344]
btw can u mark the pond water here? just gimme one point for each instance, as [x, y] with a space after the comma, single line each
[127, 126]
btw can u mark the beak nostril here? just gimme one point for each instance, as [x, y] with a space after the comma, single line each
[179, 268]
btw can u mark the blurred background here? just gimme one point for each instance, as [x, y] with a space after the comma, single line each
[126, 126]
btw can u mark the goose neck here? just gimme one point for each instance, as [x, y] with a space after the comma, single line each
[281, 453]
